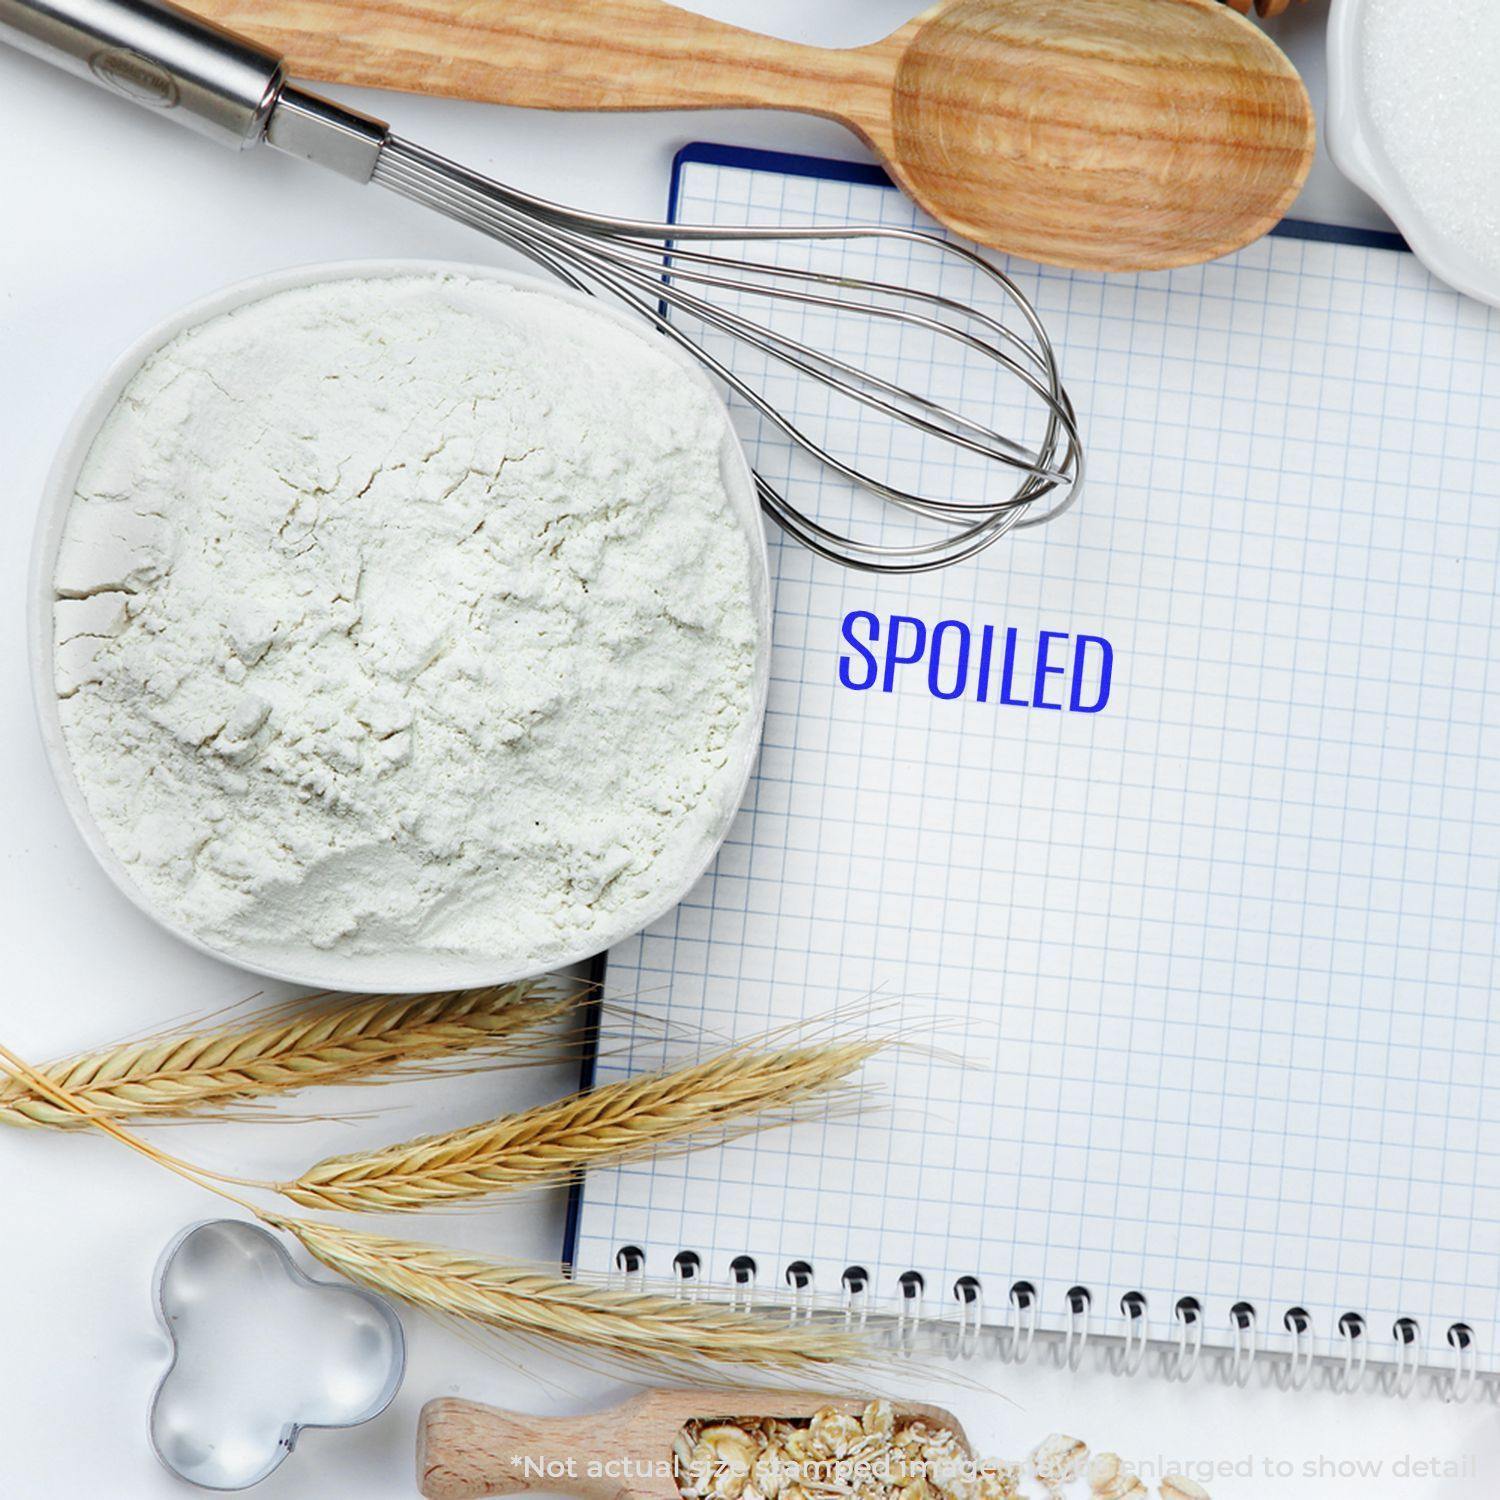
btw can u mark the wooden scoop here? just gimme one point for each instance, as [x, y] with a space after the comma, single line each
[465, 1450]
[1115, 135]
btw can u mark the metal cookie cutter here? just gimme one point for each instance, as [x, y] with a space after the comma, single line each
[261, 1351]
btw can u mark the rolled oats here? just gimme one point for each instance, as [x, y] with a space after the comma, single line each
[1110, 1480]
[878, 1455]
[879, 1419]
[769, 1474]
[1104, 1469]
[1180, 1487]
[1002, 1483]
[1058, 1460]
[833, 1434]
[832, 1456]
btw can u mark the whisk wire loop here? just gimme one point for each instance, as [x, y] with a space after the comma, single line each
[656, 270]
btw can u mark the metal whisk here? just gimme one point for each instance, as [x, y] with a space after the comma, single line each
[235, 92]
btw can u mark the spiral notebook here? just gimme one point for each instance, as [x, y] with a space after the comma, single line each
[1195, 858]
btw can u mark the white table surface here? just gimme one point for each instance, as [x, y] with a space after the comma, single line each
[109, 220]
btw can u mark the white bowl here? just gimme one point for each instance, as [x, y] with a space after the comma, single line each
[1356, 149]
[301, 965]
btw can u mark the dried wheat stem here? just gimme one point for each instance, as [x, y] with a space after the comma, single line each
[642, 1326]
[350, 1041]
[22, 1072]
[740, 1090]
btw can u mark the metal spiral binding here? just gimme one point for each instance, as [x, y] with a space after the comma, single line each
[1020, 1323]
[630, 1262]
[913, 1286]
[1465, 1372]
[1403, 1377]
[1069, 1354]
[1182, 1360]
[960, 1331]
[1240, 1365]
[1295, 1374]
[1350, 1375]
[742, 1283]
[1128, 1357]
[799, 1277]
[856, 1284]
[687, 1267]
[970, 1298]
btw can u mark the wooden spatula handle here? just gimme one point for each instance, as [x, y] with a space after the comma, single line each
[466, 1450]
[556, 54]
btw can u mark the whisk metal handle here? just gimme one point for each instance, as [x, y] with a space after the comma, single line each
[204, 77]
[211, 80]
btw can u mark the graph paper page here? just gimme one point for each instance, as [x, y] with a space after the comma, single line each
[1218, 955]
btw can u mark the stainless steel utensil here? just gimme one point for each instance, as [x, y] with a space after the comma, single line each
[261, 1352]
[237, 93]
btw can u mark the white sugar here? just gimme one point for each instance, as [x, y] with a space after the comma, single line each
[1432, 80]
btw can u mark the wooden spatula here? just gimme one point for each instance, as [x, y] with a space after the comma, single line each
[465, 1450]
[1116, 135]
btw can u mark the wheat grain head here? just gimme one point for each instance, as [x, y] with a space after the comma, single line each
[641, 1327]
[740, 1090]
[350, 1041]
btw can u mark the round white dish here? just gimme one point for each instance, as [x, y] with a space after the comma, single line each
[1355, 146]
[302, 965]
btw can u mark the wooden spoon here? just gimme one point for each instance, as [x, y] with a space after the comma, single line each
[1115, 135]
[466, 1451]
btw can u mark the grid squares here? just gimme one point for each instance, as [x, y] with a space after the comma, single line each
[1223, 956]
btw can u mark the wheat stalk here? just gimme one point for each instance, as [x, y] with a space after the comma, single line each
[741, 1090]
[646, 1327]
[350, 1041]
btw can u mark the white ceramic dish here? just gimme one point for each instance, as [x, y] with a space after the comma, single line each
[307, 966]
[1355, 145]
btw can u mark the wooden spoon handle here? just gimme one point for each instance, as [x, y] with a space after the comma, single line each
[558, 54]
[465, 1450]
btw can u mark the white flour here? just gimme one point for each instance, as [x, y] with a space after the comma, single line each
[409, 618]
